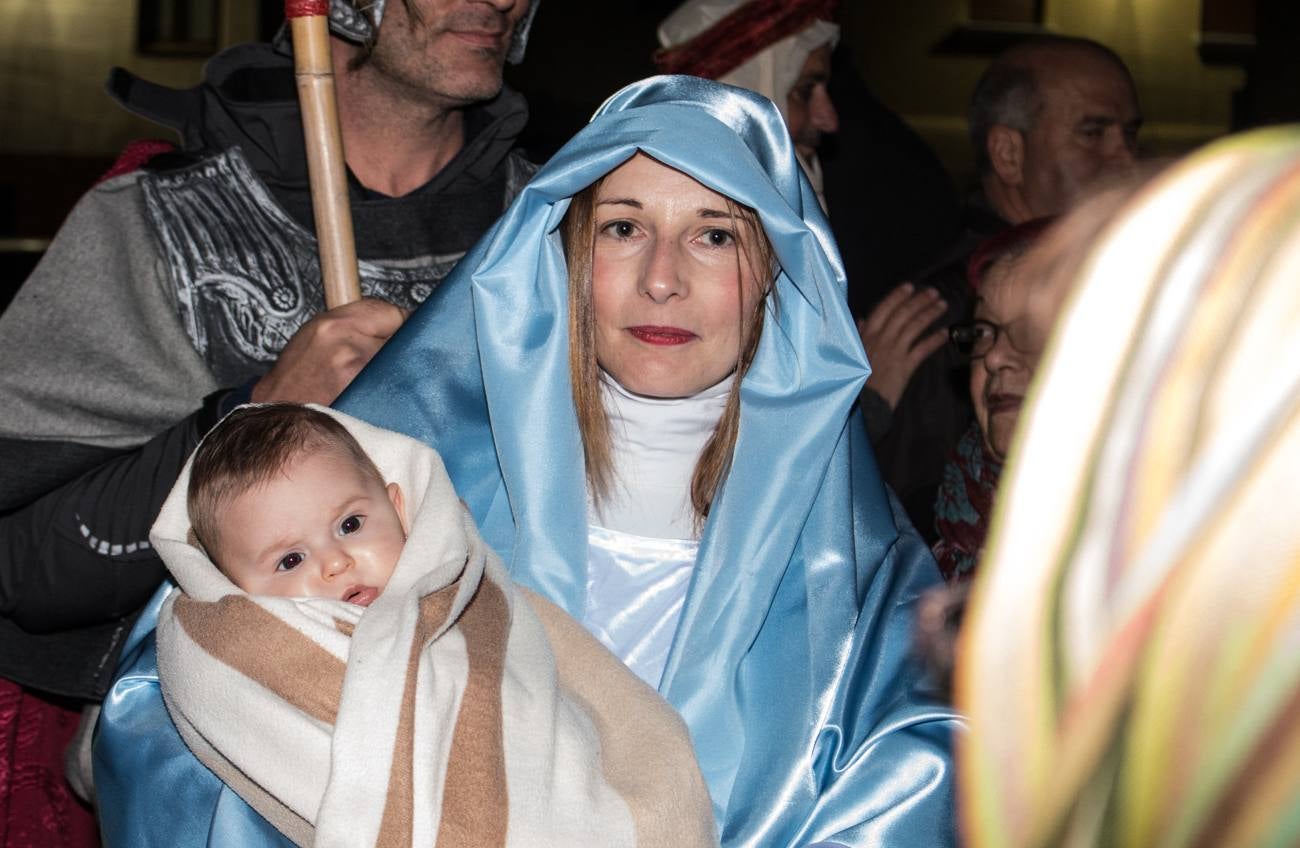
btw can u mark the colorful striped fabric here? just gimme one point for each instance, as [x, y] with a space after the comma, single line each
[1131, 660]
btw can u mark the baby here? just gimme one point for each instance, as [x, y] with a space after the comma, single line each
[287, 503]
[437, 691]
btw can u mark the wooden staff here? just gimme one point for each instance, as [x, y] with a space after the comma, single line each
[314, 70]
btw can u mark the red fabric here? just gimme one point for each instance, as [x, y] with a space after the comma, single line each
[1000, 244]
[306, 8]
[733, 40]
[37, 807]
[135, 155]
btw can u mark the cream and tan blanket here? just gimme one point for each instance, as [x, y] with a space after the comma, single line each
[457, 710]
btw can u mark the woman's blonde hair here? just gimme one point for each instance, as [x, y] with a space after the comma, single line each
[578, 231]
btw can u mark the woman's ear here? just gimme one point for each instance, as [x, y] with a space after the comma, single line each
[1006, 149]
[399, 504]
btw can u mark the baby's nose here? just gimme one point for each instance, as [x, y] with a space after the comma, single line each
[335, 562]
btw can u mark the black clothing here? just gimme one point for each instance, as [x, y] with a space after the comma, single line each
[893, 207]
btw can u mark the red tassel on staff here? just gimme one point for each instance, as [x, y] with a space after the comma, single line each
[309, 26]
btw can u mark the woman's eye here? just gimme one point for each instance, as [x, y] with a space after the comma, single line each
[620, 229]
[289, 562]
[351, 524]
[719, 238]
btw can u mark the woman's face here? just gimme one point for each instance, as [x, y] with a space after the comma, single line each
[669, 281]
[999, 379]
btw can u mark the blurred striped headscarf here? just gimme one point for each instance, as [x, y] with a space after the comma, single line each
[1131, 659]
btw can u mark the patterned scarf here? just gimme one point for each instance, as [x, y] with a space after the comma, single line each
[964, 504]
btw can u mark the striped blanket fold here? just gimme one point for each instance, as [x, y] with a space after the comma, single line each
[457, 710]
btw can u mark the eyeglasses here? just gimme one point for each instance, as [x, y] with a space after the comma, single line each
[975, 339]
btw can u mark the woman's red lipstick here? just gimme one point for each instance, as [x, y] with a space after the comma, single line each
[662, 335]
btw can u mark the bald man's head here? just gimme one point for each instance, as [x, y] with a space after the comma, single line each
[1049, 118]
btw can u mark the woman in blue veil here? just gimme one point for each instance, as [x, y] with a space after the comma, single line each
[790, 658]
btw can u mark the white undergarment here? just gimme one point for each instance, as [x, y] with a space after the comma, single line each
[641, 541]
[655, 445]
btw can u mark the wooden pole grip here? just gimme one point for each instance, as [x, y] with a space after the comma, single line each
[314, 71]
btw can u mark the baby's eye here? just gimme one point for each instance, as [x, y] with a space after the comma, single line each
[289, 562]
[351, 524]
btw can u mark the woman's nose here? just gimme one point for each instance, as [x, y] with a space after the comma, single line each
[1002, 355]
[661, 279]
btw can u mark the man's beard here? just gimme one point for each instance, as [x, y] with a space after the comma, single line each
[443, 76]
[808, 141]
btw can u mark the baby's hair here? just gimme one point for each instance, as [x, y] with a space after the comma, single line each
[253, 444]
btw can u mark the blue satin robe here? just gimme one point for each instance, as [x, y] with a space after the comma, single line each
[791, 664]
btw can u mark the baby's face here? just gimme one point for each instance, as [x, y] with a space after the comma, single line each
[320, 529]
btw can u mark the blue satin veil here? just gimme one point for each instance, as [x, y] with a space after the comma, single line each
[792, 661]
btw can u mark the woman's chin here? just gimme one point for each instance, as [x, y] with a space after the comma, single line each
[998, 442]
[662, 383]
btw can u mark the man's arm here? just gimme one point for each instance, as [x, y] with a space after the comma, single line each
[94, 363]
[93, 351]
[79, 555]
[100, 385]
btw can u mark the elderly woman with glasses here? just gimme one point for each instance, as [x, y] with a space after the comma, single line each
[1002, 345]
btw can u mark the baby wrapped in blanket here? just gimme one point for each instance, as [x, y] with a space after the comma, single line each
[354, 661]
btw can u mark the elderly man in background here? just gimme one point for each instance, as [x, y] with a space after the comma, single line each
[176, 290]
[1047, 120]
[778, 48]
[1051, 118]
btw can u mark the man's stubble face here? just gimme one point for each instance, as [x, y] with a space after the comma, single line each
[1086, 131]
[449, 51]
